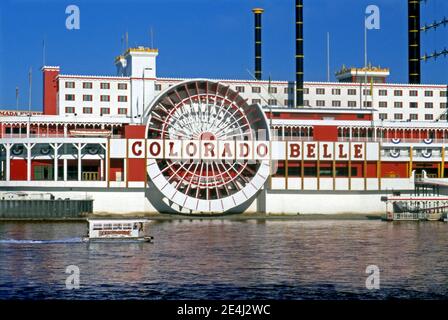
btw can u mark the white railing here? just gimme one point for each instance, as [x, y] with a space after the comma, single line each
[55, 135]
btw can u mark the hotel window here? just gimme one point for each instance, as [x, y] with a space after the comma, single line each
[256, 101]
[413, 105]
[122, 111]
[69, 109]
[289, 90]
[87, 110]
[158, 87]
[70, 84]
[413, 116]
[239, 89]
[272, 102]
[122, 98]
[305, 90]
[442, 105]
[398, 104]
[87, 85]
[104, 98]
[272, 90]
[398, 116]
[429, 105]
[87, 97]
[398, 93]
[367, 92]
[336, 92]
[256, 90]
[320, 91]
[352, 104]
[306, 103]
[289, 103]
[69, 97]
[122, 86]
[428, 94]
[443, 117]
[429, 117]
[383, 116]
[367, 104]
[105, 111]
[413, 93]
[336, 103]
[443, 94]
[352, 92]
[320, 103]
[383, 104]
[105, 85]
[382, 93]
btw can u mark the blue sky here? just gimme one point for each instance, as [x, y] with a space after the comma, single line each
[205, 38]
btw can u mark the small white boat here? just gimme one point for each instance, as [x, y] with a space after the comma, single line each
[118, 230]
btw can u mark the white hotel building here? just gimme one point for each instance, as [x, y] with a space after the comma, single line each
[136, 84]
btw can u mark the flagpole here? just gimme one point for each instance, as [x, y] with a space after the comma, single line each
[328, 56]
[17, 98]
[365, 60]
[30, 79]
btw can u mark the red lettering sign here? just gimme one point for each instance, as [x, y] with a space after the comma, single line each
[311, 150]
[137, 152]
[358, 151]
[294, 150]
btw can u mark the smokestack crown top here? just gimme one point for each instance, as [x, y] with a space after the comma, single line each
[258, 10]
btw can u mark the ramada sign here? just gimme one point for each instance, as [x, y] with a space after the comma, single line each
[251, 150]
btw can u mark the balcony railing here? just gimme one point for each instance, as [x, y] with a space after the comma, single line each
[54, 135]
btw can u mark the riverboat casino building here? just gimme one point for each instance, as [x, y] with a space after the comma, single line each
[125, 141]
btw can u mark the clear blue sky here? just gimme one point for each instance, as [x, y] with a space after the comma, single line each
[204, 38]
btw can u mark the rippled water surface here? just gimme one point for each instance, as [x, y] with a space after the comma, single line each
[223, 259]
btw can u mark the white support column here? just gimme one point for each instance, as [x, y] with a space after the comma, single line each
[104, 169]
[55, 169]
[65, 130]
[29, 147]
[56, 147]
[79, 162]
[79, 147]
[106, 160]
[8, 147]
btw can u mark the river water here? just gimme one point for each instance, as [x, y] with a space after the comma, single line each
[222, 259]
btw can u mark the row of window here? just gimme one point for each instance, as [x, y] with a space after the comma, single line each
[89, 110]
[366, 104]
[89, 97]
[412, 116]
[399, 104]
[350, 92]
[89, 85]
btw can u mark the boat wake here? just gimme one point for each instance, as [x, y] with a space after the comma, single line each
[15, 241]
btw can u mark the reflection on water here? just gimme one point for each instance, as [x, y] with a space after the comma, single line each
[228, 260]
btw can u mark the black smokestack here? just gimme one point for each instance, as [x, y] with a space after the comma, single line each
[414, 41]
[257, 13]
[299, 53]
